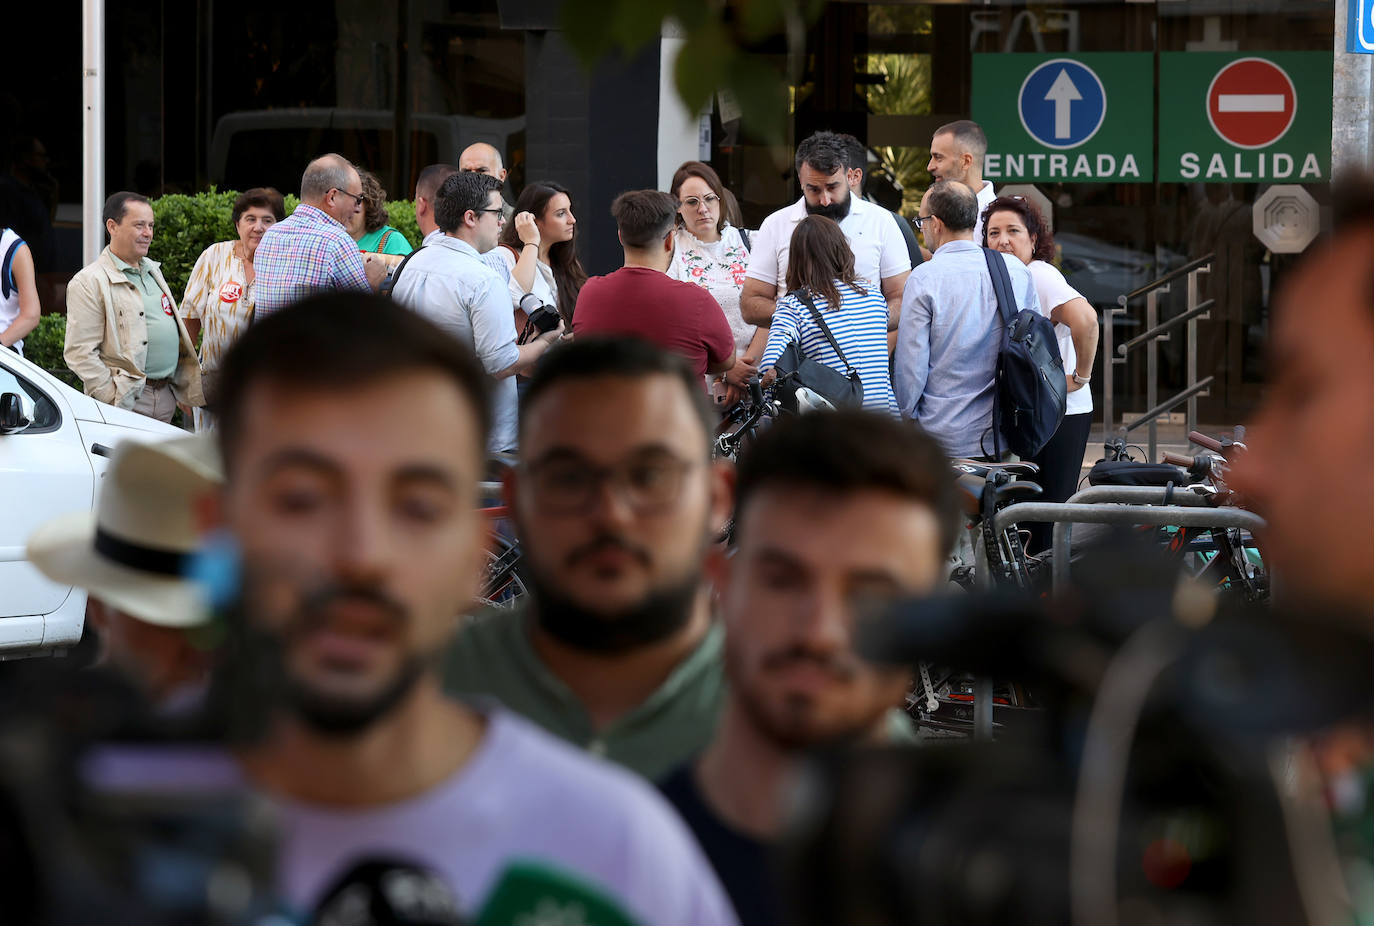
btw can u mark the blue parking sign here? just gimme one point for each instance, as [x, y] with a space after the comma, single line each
[1062, 102]
[1359, 27]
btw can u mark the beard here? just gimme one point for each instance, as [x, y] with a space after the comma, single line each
[663, 611]
[793, 725]
[255, 682]
[836, 211]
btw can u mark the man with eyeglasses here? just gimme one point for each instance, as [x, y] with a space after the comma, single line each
[617, 503]
[311, 251]
[448, 282]
[945, 365]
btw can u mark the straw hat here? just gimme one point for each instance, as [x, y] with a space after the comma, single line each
[133, 551]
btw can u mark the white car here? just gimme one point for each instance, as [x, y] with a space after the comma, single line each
[54, 446]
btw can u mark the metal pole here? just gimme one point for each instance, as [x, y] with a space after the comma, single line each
[1108, 372]
[1192, 345]
[1152, 367]
[93, 128]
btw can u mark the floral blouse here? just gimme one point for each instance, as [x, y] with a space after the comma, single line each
[220, 297]
[719, 268]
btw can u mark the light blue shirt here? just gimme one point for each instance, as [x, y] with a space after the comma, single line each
[947, 343]
[447, 282]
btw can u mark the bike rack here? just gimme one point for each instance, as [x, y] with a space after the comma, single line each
[1065, 515]
[1154, 332]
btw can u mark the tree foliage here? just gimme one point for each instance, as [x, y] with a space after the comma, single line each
[716, 56]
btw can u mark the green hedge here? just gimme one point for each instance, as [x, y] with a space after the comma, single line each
[43, 346]
[187, 225]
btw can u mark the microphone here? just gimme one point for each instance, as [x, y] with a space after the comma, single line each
[531, 892]
[388, 892]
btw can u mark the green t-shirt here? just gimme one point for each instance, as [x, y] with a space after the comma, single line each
[396, 242]
[164, 340]
[493, 656]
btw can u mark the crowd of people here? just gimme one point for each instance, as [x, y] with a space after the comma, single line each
[634, 726]
[831, 274]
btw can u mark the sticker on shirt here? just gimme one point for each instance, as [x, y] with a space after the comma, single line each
[230, 292]
[167, 306]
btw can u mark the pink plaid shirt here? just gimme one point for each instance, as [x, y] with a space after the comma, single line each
[307, 253]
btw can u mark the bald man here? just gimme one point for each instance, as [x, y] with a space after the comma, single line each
[311, 251]
[481, 158]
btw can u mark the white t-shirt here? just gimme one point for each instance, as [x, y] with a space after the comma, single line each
[9, 306]
[1054, 291]
[523, 795]
[879, 249]
[985, 197]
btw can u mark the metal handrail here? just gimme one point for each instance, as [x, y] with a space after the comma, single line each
[1156, 331]
[1166, 279]
[1195, 389]
[1145, 336]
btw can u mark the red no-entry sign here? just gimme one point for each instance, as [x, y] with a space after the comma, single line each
[1251, 102]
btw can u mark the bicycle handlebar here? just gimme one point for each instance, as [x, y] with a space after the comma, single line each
[1178, 459]
[1205, 442]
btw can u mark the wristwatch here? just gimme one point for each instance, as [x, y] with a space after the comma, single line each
[1081, 380]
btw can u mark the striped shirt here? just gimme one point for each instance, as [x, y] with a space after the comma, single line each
[306, 253]
[859, 327]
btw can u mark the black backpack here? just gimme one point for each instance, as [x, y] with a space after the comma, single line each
[1028, 402]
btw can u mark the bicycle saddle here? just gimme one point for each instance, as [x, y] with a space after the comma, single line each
[979, 468]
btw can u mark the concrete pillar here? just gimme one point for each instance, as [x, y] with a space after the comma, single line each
[1352, 86]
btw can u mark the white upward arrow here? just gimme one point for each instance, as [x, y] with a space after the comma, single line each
[1062, 92]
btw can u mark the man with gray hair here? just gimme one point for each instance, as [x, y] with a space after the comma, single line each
[956, 153]
[880, 254]
[949, 334]
[311, 250]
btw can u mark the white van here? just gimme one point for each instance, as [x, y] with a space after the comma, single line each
[54, 446]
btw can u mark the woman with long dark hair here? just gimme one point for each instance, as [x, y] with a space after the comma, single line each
[544, 222]
[821, 265]
[1013, 225]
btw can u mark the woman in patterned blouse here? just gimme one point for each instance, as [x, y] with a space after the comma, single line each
[711, 253]
[219, 295]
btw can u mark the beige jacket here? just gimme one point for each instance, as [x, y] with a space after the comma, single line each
[107, 337]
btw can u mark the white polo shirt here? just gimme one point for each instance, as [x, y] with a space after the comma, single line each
[985, 198]
[879, 249]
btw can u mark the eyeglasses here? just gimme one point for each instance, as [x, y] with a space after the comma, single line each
[710, 199]
[572, 486]
[497, 210]
[919, 219]
[356, 197]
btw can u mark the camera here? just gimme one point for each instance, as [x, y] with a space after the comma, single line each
[541, 318]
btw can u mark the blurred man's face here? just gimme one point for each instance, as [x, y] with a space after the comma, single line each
[807, 560]
[482, 159]
[356, 511]
[617, 503]
[1311, 447]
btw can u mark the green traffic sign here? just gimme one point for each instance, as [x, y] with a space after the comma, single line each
[1236, 116]
[1067, 118]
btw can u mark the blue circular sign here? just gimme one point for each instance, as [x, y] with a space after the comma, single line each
[1062, 103]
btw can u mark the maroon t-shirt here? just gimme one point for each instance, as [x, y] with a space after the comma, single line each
[680, 317]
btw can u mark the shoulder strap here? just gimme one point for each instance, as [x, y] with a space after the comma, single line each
[1001, 284]
[396, 274]
[805, 300]
[744, 236]
[7, 269]
[381, 242]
